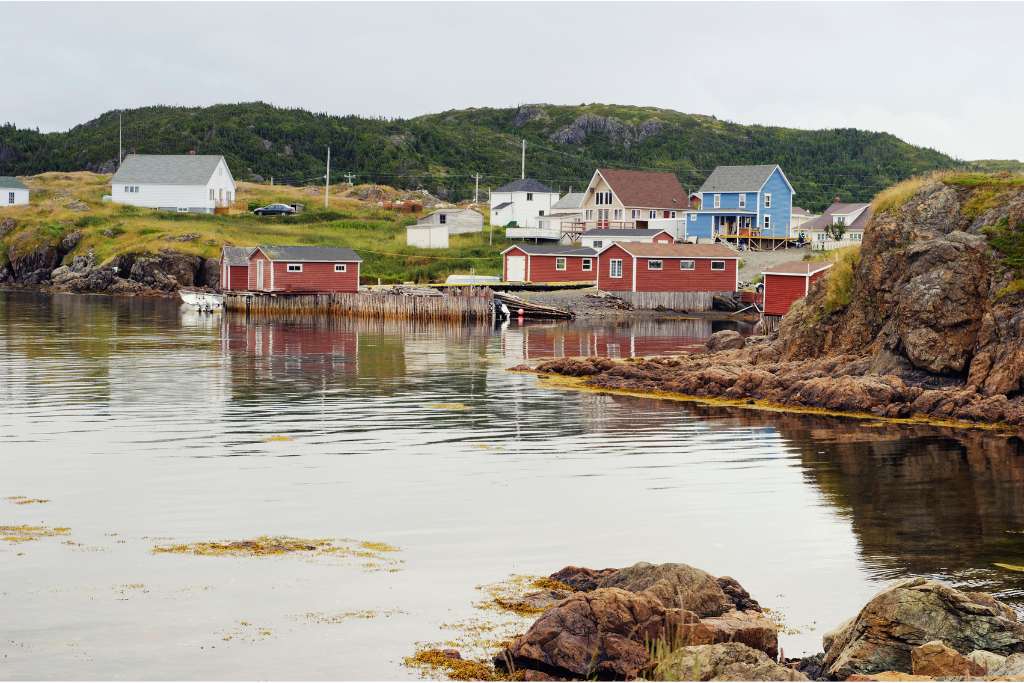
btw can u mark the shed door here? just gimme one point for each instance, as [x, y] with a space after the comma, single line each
[259, 275]
[516, 269]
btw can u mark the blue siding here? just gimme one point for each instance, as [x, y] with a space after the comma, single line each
[730, 200]
[782, 205]
[700, 227]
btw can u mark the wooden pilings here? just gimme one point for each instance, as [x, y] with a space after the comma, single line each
[673, 301]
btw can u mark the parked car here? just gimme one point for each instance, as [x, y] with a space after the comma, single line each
[275, 210]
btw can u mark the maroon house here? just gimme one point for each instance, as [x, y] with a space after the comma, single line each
[234, 268]
[549, 263]
[303, 269]
[647, 267]
[788, 282]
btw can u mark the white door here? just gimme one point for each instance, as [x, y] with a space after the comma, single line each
[516, 269]
[259, 275]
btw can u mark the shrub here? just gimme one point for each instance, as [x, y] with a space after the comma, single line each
[839, 282]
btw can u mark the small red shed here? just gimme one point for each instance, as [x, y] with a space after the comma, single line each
[549, 263]
[641, 267]
[234, 268]
[788, 282]
[303, 269]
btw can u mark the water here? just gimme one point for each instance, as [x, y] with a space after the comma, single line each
[145, 425]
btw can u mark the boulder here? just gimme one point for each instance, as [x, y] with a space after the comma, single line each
[937, 660]
[737, 594]
[70, 241]
[1011, 666]
[724, 340]
[912, 613]
[722, 662]
[210, 276]
[750, 628]
[581, 578]
[676, 585]
[7, 225]
[989, 661]
[600, 634]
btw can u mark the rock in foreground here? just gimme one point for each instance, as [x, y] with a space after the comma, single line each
[722, 662]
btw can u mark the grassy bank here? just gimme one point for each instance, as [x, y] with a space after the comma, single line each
[63, 203]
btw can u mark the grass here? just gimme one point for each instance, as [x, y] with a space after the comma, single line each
[839, 282]
[110, 230]
[898, 194]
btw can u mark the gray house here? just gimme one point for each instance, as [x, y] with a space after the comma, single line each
[457, 220]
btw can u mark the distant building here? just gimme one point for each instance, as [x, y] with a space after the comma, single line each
[521, 202]
[174, 182]
[12, 192]
[564, 214]
[549, 263]
[234, 268]
[457, 220]
[427, 235]
[743, 201]
[599, 238]
[854, 216]
[624, 199]
[303, 269]
[797, 218]
[789, 282]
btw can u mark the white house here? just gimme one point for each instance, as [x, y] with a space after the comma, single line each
[798, 217]
[456, 220]
[12, 192]
[521, 202]
[854, 216]
[174, 182]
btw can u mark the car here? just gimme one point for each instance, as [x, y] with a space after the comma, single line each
[275, 210]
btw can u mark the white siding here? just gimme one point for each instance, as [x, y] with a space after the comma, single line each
[427, 236]
[20, 197]
[524, 212]
[191, 197]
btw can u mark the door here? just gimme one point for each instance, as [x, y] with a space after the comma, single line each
[602, 218]
[259, 275]
[516, 269]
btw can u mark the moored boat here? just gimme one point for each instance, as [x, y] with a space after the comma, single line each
[202, 300]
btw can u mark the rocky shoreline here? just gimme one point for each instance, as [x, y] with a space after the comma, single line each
[676, 622]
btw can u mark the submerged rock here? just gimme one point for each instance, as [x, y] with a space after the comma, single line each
[581, 578]
[724, 340]
[722, 662]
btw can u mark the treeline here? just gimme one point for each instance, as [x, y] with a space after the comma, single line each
[442, 152]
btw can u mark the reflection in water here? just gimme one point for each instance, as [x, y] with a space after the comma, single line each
[138, 419]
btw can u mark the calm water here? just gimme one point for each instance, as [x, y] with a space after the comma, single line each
[143, 425]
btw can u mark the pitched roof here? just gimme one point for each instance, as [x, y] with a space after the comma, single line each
[453, 209]
[801, 211]
[501, 206]
[290, 253]
[646, 189]
[573, 200]
[11, 183]
[797, 268]
[656, 249]
[236, 256]
[622, 232]
[524, 185]
[553, 250]
[167, 169]
[738, 178]
[825, 219]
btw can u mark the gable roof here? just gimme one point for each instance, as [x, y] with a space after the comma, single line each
[290, 253]
[524, 185]
[168, 169]
[11, 183]
[801, 211]
[797, 268]
[646, 189]
[501, 206]
[739, 178]
[236, 256]
[842, 209]
[572, 200]
[624, 232]
[453, 209]
[552, 250]
[687, 251]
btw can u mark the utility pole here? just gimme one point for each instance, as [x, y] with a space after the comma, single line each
[271, 181]
[476, 189]
[327, 178]
[523, 173]
[350, 177]
[490, 226]
[120, 154]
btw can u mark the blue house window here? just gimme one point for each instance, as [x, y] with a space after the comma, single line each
[743, 200]
[767, 222]
[718, 201]
[767, 200]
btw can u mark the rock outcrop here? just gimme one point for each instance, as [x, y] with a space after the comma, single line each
[722, 662]
[675, 585]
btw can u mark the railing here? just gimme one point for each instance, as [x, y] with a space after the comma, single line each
[550, 233]
[828, 245]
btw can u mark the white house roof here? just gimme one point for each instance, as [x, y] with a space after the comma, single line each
[11, 183]
[738, 178]
[573, 200]
[524, 185]
[167, 169]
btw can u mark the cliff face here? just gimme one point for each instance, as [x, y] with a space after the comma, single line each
[936, 296]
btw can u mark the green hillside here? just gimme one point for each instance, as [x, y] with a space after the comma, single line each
[440, 152]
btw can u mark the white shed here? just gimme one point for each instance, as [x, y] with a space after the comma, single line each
[174, 182]
[427, 235]
[12, 192]
[457, 220]
[521, 202]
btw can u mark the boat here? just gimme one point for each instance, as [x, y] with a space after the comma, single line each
[201, 300]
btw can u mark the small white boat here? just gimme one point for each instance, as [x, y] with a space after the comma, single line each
[207, 302]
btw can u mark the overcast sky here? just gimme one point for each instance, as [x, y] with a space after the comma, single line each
[944, 75]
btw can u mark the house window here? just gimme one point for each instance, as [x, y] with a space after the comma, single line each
[541, 212]
[229, 195]
[560, 263]
[767, 222]
[10, 197]
[590, 214]
[529, 196]
[767, 200]
[615, 267]
[213, 194]
[718, 265]
[126, 190]
[671, 214]
[443, 218]
[598, 244]
[294, 267]
[635, 213]
[718, 201]
[586, 265]
[654, 264]
[687, 264]
[617, 214]
[743, 200]
[340, 267]
[693, 218]
[652, 214]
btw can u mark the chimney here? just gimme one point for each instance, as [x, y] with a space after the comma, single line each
[835, 200]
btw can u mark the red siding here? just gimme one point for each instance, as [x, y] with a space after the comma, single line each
[234, 278]
[315, 276]
[253, 284]
[664, 238]
[542, 269]
[605, 281]
[780, 291]
[504, 260]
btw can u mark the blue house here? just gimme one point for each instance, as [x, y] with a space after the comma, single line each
[743, 201]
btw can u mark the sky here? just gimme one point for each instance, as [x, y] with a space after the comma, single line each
[943, 75]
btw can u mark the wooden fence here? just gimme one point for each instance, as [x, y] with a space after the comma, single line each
[673, 301]
[464, 305]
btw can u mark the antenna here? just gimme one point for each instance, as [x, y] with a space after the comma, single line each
[523, 173]
[349, 177]
[327, 178]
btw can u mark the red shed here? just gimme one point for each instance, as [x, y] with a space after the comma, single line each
[234, 268]
[788, 282]
[549, 263]
[303, 269]
[640, 267]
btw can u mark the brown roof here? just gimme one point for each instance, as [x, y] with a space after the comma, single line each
[797, 268]
[646, 189]
[825, 219]
[657, 250]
